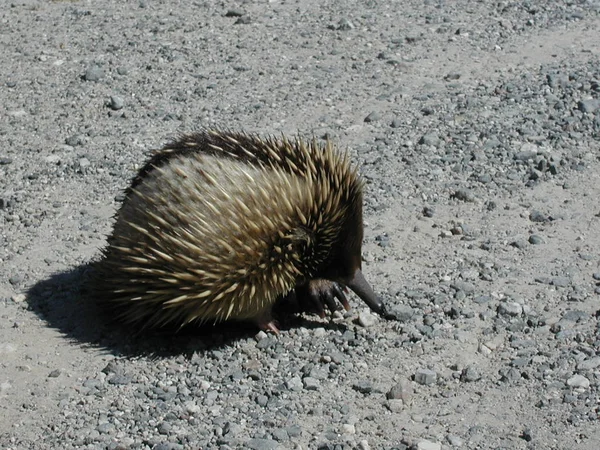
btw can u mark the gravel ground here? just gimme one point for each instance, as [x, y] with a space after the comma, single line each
[477, 128]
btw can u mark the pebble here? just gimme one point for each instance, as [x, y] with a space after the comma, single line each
[425, 376]
[466, 195]
[366, 319]
[430, 139]
[18, 298]
[578, 381]
[589, 364]
[395, 405]
[294, 384]
[428, 445]
[75, 140]
[363, 386]
[310, 383]
[512, 309]
[401, 313]
[348, 428]
[93, 73]
[535, 239]
[116, 102]
[373, 117]
[454, 440]
[538, 216]
[561, 281]
[401, 391]
[345, 25]
[470, 374]
[590, 105]
[262, 444]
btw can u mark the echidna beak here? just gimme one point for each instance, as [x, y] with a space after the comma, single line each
[363, 289]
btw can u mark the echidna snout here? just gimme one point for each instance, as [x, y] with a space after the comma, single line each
[220, 226]
[363, 289]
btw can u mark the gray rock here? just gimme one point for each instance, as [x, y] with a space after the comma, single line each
[470, 374]
[262, 444]
[578, 381]
[373, 117]
[430, 139]
[401, 391]
[94, 73]
[366, 319]
[425, 376]
[510, 309]
[590, 105]
[116, 102]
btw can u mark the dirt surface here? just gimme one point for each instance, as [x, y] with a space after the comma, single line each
[476, 126]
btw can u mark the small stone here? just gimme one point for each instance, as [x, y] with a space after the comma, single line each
[234, 13]
[348, 429]
[15, 279]
[294, 384]
[430, 139]
[538, 216]
[373, 117]
[119, 380]
[260, 336]
[401, 313]
[105, 428]
[590, 105]
[366, 319]
[470, 374]
[512, 309]
[395, 405]
[192, 408]
[75, 140]
[396, 123]
[425, 376]
[460, 285]
[465, 195]
[116, 103]
[54, 374]
[578, 381]
[345, 25]
[310, 383]
[94, 73]
[364, 445]
[262, 444]
[401, 391]
[454, 440]
[363, 386]
[428, 445]
[527, 435]
[535, 239]
[561, 281]
[589, 364]
[18, 298]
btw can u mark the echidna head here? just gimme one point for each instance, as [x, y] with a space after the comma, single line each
[345, 259]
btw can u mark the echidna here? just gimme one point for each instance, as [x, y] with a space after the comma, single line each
[220, 226]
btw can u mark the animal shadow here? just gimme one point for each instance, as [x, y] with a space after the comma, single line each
[64, 302]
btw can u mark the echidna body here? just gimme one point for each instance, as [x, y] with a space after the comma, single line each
[219, 226]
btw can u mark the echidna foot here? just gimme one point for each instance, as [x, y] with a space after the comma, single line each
[266, 323]
[318, 294]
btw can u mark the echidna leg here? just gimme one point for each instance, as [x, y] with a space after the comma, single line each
[318, 294]
[266, 322]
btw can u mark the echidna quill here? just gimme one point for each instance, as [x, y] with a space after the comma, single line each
[220, 226]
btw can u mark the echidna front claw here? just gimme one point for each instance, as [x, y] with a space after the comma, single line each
[271, 326]
[318, 294]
